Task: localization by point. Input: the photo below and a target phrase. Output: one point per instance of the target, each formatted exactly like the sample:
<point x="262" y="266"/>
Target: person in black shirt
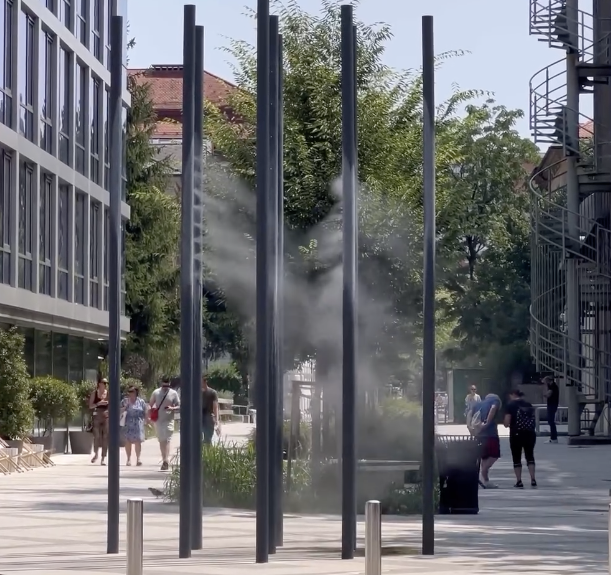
<point x="553" y="399"/>
<point x="520" y="418"/>
<point x="210" y="411"/>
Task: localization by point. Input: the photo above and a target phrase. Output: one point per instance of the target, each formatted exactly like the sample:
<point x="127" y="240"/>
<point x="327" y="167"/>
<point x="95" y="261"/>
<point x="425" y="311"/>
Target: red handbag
<point x="154" y="415"/>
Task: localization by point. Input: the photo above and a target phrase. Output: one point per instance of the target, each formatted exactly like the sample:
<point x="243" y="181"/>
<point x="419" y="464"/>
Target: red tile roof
<point x="165" y="82"/>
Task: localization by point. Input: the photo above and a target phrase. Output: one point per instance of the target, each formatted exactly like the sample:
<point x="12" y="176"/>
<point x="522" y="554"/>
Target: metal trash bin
<point x="458" y="461"/>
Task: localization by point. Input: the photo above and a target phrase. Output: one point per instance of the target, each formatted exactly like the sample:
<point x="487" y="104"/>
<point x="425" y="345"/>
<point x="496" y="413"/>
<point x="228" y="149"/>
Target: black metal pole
<point x="186" y="283"/>
<point x="198" y="214"/>
<point x="280" y="307"/>
<point x="273" y="264"/>
<point x="264" y="287"/>
<point x="428" y="347"/>
<point x="114" y="280"/>
<point x="349" y="287"/>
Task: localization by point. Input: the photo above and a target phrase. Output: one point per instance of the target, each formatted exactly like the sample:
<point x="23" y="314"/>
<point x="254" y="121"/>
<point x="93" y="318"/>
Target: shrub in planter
<point x="16" y="411"/>
<point x="83" y="391"/>
<point x="53" y="400"/>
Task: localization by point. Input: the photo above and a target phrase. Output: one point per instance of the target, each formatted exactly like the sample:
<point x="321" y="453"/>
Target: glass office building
<point x="54" y="178"/>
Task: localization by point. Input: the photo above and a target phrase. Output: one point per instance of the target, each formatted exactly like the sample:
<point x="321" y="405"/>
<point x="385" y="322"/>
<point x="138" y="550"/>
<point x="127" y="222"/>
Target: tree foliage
<point x="480" y="194"/>
<point x="151" y="242"/>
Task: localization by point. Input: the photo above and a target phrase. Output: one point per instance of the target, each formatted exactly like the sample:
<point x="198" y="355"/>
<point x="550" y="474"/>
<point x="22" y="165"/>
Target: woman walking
<point x="520" y="419"/>
<point x="98" y="403"/>
<point x="134" y="412"/>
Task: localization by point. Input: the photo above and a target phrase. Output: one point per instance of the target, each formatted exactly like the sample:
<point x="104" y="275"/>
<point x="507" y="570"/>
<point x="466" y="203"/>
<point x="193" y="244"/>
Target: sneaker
<point x="94" y="459"/>
<point x="164" y="466"/>
<point x="128" y="463"/>
<point x="103" y="462"/>
<point x="533" y="484"/>
<point x="519" y="485"/>
<point x="491" y="485"/>
<point x="139" y="463"/>
<point x="553" y="441"/>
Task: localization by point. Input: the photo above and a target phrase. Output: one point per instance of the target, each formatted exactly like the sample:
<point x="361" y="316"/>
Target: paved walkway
<point x="53" y="522"/>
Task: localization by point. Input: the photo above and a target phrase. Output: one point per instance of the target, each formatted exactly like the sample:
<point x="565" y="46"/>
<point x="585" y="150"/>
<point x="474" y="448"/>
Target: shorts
<point x="491" y="447"/>
<point x="164" y="430"/>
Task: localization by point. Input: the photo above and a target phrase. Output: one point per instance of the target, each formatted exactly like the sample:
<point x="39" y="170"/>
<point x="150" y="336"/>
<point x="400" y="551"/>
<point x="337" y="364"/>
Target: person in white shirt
<point x="165" y="402"/>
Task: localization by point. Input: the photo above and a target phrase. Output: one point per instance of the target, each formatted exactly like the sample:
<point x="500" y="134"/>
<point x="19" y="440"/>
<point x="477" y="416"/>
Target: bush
<point x="392" y="430"/>
<point x="83" y="390"/>
<point x="16" y="413"/>
<point x="52" y="400"/>
<point x="230" y="478"/>
<point x="224" y="377"/>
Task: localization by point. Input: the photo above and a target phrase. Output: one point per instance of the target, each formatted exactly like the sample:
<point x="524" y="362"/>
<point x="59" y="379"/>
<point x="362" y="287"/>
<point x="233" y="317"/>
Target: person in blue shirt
<point x="488" y="434"/>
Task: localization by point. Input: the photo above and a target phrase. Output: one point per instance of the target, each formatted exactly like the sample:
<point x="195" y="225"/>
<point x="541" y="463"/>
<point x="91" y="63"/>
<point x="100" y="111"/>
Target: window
<point x="79" y="248"/>
<point x="5" y="216"/>
<point x="50" y="4"/>
<point x="94" y="255"/>
<point x="26" y="209"/>
<point x="96" y="19"/>
<point x="107" y="31"/>
<point x="26" y="75"/>
<point x="81" y="21"/>
<point x="6" y="63"/>
<point x="106" y="142"/>
<point x="63" y="237"/>
<point x="44" y="239"/>
<point x="45" y="89"/>
<point x="65" y="13"/>
<point x="95" y="102"/>
<point x="64" y="105"/>
<point x="106" y="236"/>
<point x="80" y="103"/>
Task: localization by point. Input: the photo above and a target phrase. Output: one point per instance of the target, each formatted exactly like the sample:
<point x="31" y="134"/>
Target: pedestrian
<point x="210" y="411"/>
<point x="484" y="427"/>
<point x="552" y="393"/>
<point x="163" y="405"/>
<point x="98" y="403"/>
<point x="520" y="419"/>
<point x="134" y="411"/>
<point x="472" y="399"/>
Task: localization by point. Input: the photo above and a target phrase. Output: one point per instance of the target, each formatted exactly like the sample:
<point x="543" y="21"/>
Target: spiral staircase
<point x="570" y="215"/>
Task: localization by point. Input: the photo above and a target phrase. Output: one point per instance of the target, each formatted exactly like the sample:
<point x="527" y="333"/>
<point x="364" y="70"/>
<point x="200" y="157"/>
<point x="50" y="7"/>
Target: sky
<point x="502" y="56"/>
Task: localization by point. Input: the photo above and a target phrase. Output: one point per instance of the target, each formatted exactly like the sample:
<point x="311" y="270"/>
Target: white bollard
<point x="373" y="538"/>
<point x="135" y="536"/>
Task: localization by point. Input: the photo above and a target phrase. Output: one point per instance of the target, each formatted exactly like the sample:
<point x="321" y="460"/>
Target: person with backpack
<point x="520" y="419"/>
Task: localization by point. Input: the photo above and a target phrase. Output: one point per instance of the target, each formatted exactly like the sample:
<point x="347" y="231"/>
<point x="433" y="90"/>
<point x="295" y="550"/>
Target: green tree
<point x="390" y="158"/>
<point x="151" y="242"/>
<point x="16" y="412"/>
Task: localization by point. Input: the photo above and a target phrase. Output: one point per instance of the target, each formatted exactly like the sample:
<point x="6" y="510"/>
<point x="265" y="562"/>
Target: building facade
<point x="54" y="179"/>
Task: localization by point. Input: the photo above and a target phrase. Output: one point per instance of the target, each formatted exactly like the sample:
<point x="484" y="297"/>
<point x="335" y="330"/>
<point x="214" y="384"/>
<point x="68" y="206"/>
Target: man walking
<point x="552" y="393"/>
<point x="210" y="411"/>
<point x="164" y="404"/>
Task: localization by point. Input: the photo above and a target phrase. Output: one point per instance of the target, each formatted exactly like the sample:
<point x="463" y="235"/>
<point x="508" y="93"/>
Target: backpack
<point x="525" y="418"/>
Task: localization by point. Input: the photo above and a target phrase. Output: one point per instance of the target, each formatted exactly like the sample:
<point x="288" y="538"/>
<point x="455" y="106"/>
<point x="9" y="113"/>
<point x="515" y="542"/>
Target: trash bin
<point x="458" y="459"/>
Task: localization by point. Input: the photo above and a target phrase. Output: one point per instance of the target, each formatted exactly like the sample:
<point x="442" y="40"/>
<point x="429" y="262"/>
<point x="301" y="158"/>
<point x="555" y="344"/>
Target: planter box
<point x="57" y="442"/>
<point x="81" y="442"/>
<point x="15" y="444"/>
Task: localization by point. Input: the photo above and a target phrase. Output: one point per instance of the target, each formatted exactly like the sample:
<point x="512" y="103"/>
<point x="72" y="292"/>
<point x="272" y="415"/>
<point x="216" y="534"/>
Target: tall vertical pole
<point x="114" y="280"/>
<point x="264" y="291"/>
<point x="273" y="264"/>
<point x="428" y="347"/>
<point x="186" y="283"/>
<point x="280" y="307"/>
<point x="573" y="375"/>
<point x="198" y="205"/>
<point x="349" y="287"/>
